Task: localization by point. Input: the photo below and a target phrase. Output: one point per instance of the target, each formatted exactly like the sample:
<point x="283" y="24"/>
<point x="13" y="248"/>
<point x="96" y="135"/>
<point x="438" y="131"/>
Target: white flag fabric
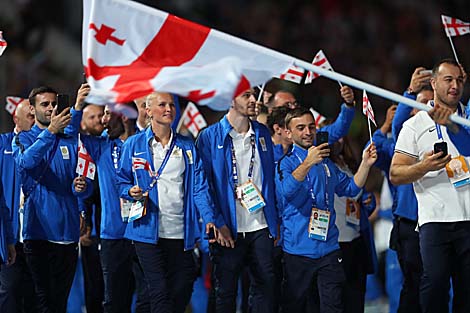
<point x="85" y="164"/>
<point x="3" y="43"/>
<point x="317" y="117"/>
<point x="293" y="74"/>
<point x="141" y="164"/>
<point x="321" y="61"/>
<point x="130" y="50"/>
<point x="12" y="103"/>
<point x="367" y="108"/>
<point x="455" y="27"/>
<point x="193" y="119"/>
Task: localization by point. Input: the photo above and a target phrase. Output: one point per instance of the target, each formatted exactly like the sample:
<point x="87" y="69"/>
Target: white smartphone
<point x="426" y="72"/>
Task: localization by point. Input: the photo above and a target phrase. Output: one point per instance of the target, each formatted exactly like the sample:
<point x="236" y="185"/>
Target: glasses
<point x="291" y="105"/>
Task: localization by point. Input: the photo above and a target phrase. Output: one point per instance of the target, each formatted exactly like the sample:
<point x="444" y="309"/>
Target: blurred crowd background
<point x="380" y="42"/>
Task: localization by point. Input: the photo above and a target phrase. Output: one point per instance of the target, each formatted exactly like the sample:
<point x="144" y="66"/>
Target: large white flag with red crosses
<point x="130" y="50"/>
<point x="193" y="119"/>
<point x="85" y="164"/>
<point x="455" y="27"/>
<point x="367" y="108"/>
<point x="12" y="103"/>
<point x="321" y="61"/>
<point x="3" y="43"/>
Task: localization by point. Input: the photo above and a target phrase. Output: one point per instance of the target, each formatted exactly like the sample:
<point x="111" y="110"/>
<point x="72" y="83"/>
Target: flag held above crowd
<point x="165" y="53"/>
<point x="455" y="27"/>
<point x="192" y="119"/>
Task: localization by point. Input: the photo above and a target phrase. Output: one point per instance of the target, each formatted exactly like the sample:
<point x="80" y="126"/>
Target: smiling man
<point x="443" y="201"/>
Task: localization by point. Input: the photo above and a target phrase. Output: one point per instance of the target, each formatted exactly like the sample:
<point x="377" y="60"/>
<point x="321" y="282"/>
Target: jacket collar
<point x="298" y="150"/>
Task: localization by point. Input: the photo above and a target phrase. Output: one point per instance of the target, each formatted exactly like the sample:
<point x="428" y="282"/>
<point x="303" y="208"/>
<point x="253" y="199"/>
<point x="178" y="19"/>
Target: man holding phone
<point x="307" y="180"/>
<point x="443" y="207"/>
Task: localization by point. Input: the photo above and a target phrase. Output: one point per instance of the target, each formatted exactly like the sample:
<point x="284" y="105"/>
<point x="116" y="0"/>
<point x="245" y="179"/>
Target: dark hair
<point x="426" y="87"/>
<point x="39" y="90"/>
<point x="298" y="112"/>
<point x="435" y="69"/>
<point x="277" y="116"/>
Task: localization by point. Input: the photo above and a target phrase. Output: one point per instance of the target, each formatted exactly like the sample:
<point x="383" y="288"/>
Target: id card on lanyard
<point x="457" y="168"/>
<point x="139" y="208"/>
<point x="319" y="219"/>
<point x="248" y="194"/>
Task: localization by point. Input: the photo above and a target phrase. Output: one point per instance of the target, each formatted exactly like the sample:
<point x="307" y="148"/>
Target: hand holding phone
<point x="321" y="137"/>
<point x="62" y="102"/>
<point x="211" y="234"/>
<point x="441" y="147"/>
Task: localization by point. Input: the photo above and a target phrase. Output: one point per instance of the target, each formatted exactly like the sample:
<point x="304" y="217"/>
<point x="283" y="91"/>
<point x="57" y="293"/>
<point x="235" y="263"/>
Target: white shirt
<point x="170" y="190"/>
<point x="438" y="199"/>
<point x="247" y="222"/>
<point x="347" y="231"/>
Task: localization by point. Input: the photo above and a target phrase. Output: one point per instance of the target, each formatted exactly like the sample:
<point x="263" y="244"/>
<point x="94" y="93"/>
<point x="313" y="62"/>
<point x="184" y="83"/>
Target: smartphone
<point x="426" y="72"/>
<point x="441" y="146"/>
<point x="322" y="137"/>
<point x="210" y="235"/>
<point x="62" y="102"/>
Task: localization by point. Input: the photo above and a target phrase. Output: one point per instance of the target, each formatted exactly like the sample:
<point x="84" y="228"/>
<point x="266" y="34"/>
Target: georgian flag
<point x="85" y="164"/>
<point x="12" y="103"/>
<point x="367" y="108"/>
<point x="3" y="43"/>
<point x="317" y="117"/>
<point x="141" y="164"/>
<point x="321" y="61"/>
<point x="293" y="74"/>
<point x="130" y="50"/>
<point x="193" y="119"/>
<point x="455" y="27"/>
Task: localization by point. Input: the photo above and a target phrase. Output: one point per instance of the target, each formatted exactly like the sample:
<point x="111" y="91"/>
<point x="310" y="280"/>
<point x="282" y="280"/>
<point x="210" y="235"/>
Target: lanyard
<point x="327" y="174"/>
<point x="234" y="162"/>
<point x="438" y="126"/>
<point x="162" y="166"/>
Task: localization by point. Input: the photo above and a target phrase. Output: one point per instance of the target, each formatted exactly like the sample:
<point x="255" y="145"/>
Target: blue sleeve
<point x="124" y="175"/>
<point x="5" y="216"/>
<point x="401" y="115"/>
<point x="203" y="145"/>
<point x="202" y="198"/>
<point x="461" y="140"/>
<point x="290" y="189"/>
<point x="345" y="187"/>
<point x="340" y="127"/>
<point x="93" y="144"/>
<point x="74" y="126"/>
<point x="29" y="155"/>
<point x="384" y="145"/>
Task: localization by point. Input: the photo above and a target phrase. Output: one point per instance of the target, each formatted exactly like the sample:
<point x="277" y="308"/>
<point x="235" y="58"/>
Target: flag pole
<point x="453" y="48"/>
<point x="261" y="90"/>
<point x="334" y="75"/>
<point x="370" y="131"/>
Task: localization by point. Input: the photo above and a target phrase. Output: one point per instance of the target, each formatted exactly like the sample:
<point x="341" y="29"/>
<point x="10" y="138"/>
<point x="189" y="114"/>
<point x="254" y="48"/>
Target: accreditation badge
<point x="125" y="209"/>
<point x="353" y="212"/>
<point x="319" y="223"/>
<point x="138" y="209"/>
<point x="250" y="197"/>
<point x="457" y="171"/>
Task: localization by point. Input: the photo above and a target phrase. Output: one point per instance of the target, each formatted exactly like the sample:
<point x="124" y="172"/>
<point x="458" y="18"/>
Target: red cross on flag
<point x="293" y="74"/>
<point x="193" y="119"/>
<point x="141" y="164"/>
<point x="12" y="103"/>
<point x="3" y="43"/>
<point x="367" y="108"/>
<point x="317" y="117"/>
<point x="321" y="61"/>
<point x="455" y="27"/>
<point x="85" y="164"/>
<point x="130" y="50"/>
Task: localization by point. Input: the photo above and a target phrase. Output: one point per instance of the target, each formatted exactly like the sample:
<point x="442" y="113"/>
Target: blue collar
<point x="301" y="152"/>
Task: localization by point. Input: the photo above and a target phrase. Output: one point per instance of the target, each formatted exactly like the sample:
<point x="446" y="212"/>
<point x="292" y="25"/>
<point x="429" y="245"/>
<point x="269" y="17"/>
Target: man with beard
<point x="46" y="159"/>
<point x="117" y="253"/>
<point x="443" y="201"/>
<point x="238" y="158"/>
